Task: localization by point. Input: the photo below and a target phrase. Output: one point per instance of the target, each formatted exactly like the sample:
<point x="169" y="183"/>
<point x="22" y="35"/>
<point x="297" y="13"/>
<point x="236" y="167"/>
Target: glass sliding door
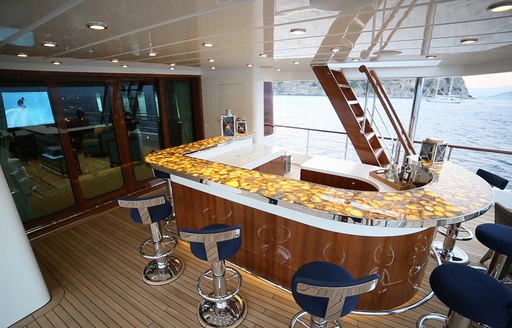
<point x="31" y="152"/>
<point x="89" y="123"/>
<point x="142" y="117"/>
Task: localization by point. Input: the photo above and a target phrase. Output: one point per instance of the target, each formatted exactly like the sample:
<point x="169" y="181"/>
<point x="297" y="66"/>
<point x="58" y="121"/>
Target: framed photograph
<point x="241" y="126"/>
<point x="227" y="124"/>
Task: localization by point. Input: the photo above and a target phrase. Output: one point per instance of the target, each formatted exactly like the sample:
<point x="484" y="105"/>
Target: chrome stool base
<point x="231" y="316"/>
<point x="154" y="275"/>
<point x="302" y="319"/>
<point x="456" y="255"/>
<point x="453" y="320"/>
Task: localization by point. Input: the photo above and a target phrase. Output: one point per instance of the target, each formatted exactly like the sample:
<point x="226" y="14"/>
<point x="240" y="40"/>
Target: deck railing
<point x="341" y="138"/>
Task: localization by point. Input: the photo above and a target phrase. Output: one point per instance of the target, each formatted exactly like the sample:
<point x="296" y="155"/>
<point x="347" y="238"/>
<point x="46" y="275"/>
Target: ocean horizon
<point x="482" y="123"/>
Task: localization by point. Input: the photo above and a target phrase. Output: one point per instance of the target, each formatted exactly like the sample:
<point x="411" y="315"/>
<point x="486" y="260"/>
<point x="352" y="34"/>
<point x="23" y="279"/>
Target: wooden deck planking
<point x="93" y="270"/>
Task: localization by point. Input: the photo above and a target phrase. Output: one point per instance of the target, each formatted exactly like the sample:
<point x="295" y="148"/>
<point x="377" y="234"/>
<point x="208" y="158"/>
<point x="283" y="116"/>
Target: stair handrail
<point x="390" y="110"/>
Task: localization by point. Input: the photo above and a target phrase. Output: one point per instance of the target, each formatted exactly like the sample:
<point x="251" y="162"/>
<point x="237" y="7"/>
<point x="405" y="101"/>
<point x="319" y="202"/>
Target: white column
<point x="22" y="287"/>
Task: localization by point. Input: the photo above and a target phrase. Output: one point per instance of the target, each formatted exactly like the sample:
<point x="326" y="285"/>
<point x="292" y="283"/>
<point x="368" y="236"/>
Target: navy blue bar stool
<point x="326" y="292"/>
<point x="171" y="220"/>
<point x="220" y="306"/>
<point x="502" y="215"/>
<point x="471" y="295"/>
<point x="497" y="237"/>
<point x="163" y="267"/>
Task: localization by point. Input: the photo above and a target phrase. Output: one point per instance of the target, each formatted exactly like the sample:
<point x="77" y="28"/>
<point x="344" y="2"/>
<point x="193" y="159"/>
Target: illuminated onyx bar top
<point x="454" y="194"/>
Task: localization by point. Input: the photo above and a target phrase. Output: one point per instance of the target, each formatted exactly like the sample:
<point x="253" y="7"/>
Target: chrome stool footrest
<point x="301" y="320"/>
<point x="162" y="272"/>
<point x="219" y="298"/>
<point x="469" y="235"/>
<point x="168" y="243"/>
<point x="455" y="255"/>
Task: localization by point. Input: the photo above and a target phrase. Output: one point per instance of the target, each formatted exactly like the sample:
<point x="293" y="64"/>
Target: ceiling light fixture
<point x="263" y="55"/>
<point x="297" y="30"/>
<point x="249" y="65"/>
<point x="124" y="66"/>
<point x="469" y="40"/>
<point x="387" y="52"/>
<point x="208" y="44"/>
<point x="355" y="59"/>
<point x="22" y="55"/>
<point x="278" y="69"/>
<point x="172" y="64"/>
<point x="49" y="44"/>
<point x="430" y="56"/>
<point x="115" y="60"/>
<point x="56" y="62"/>
<point x="152" y="54"/>
<point x="211" y="60"/>
<point x="335" y="50"/>
<point x="212" y="68"/>
<point x="172" y="68"/>
<point x="98" y="26"/>
<point x="499" y="7"/>
<point x="296" y="62"/>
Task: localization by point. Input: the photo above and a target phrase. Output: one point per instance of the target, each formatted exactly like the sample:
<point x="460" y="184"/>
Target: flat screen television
<point x="27" y="108"/>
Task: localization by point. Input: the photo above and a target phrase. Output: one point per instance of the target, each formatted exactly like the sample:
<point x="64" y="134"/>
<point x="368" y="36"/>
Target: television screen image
<point x="27" y="108"/>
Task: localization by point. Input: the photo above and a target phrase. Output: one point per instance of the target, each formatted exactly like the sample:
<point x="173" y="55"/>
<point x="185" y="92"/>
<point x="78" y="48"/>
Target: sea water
<point x="483" y="123"/>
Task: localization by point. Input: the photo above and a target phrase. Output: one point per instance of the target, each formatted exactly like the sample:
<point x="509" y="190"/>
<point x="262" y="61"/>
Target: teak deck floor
<point x="93" y="271"/>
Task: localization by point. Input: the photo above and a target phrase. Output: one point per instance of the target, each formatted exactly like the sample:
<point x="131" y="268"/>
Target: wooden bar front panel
<point x="274" y="247"/>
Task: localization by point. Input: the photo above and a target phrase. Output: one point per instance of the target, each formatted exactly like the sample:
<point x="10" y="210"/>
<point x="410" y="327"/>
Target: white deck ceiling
<point x="243" y="29"/>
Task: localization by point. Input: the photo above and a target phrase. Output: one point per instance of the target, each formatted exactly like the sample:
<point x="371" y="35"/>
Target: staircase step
<point x="370" y="135"/>
<point x="344" y="86"/>
<point x="352" y="102"/>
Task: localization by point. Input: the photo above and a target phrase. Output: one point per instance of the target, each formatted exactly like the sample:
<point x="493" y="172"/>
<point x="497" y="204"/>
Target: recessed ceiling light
<point x="211" y="60"/>
<point x="49" y="44"/>
<point x="22" y="54"/>
<point x="298" y="31"/>
<point x="468" y="40"/>
<point x="152" y="54"/>
<point x="124" y="66"/>
<point x="172" y="64"/>
<point x="212" y="68"/>
<point x="263" y="55"/>
<point x="431" y="57"/>
<point x="355" y="59"/>
<point x="499" y="7"/>
<point x="249" y="65"/>
<point x="56" y="62"/>
<point x="172" y="68"/>
<point x="115" y="60"/>
<point x="208" y="44"/>
<point x="296" y="62"/>
<point x="278" y="69"/>
<point x="387" y="52"/>
<point x="98" y="26"/>
<point x="335" y="50"/>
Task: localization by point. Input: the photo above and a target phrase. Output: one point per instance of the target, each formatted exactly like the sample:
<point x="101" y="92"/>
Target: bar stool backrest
<point x="336" y="292"/>
<point x="144" y="210"/>
<point x="213" y="243"/>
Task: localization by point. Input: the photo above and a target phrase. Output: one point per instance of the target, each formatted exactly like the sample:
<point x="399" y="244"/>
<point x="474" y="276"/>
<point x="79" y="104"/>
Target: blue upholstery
<point x="473" y="294"/>
<point x="324" y="274"/>
<point x="493" y="179"/>
<point x="156" y="213"/>
<point x="226" y="248"/>
<point x="497" y="237"/>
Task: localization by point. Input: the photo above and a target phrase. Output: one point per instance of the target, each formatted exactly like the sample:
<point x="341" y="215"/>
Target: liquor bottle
<point x="407" y="172"/>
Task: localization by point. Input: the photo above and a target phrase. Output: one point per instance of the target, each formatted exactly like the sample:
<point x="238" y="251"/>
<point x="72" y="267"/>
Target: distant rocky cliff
<point x="396" y="88"/>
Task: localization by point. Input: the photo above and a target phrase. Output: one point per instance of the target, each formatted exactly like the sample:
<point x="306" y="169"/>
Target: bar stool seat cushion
<point x="497" y="237"/>
<point x="322" y="274"/>
<point x="226" y="248"/>
<point x="156" y="213"/>
<point x="473" y="294"/>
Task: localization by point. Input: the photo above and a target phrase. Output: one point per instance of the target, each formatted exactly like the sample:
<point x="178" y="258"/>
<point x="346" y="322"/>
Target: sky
<point x="488" y="85"/>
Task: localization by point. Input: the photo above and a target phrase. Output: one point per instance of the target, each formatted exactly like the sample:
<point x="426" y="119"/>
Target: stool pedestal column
<point x="447" y="250"/>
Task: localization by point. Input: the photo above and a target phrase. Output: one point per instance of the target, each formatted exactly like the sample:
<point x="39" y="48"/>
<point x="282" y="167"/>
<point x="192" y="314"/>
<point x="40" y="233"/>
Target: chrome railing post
<point x="307" y="143"/>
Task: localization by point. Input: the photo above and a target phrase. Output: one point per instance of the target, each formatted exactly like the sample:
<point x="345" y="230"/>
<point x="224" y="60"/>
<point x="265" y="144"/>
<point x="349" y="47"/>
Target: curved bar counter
<point x="287" y="222"/>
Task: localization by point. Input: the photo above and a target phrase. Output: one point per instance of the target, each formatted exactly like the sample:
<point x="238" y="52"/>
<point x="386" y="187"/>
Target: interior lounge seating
<point x="135" y="141"/>
<point x="96" y="143"/>
<point x="326" y="292"/>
